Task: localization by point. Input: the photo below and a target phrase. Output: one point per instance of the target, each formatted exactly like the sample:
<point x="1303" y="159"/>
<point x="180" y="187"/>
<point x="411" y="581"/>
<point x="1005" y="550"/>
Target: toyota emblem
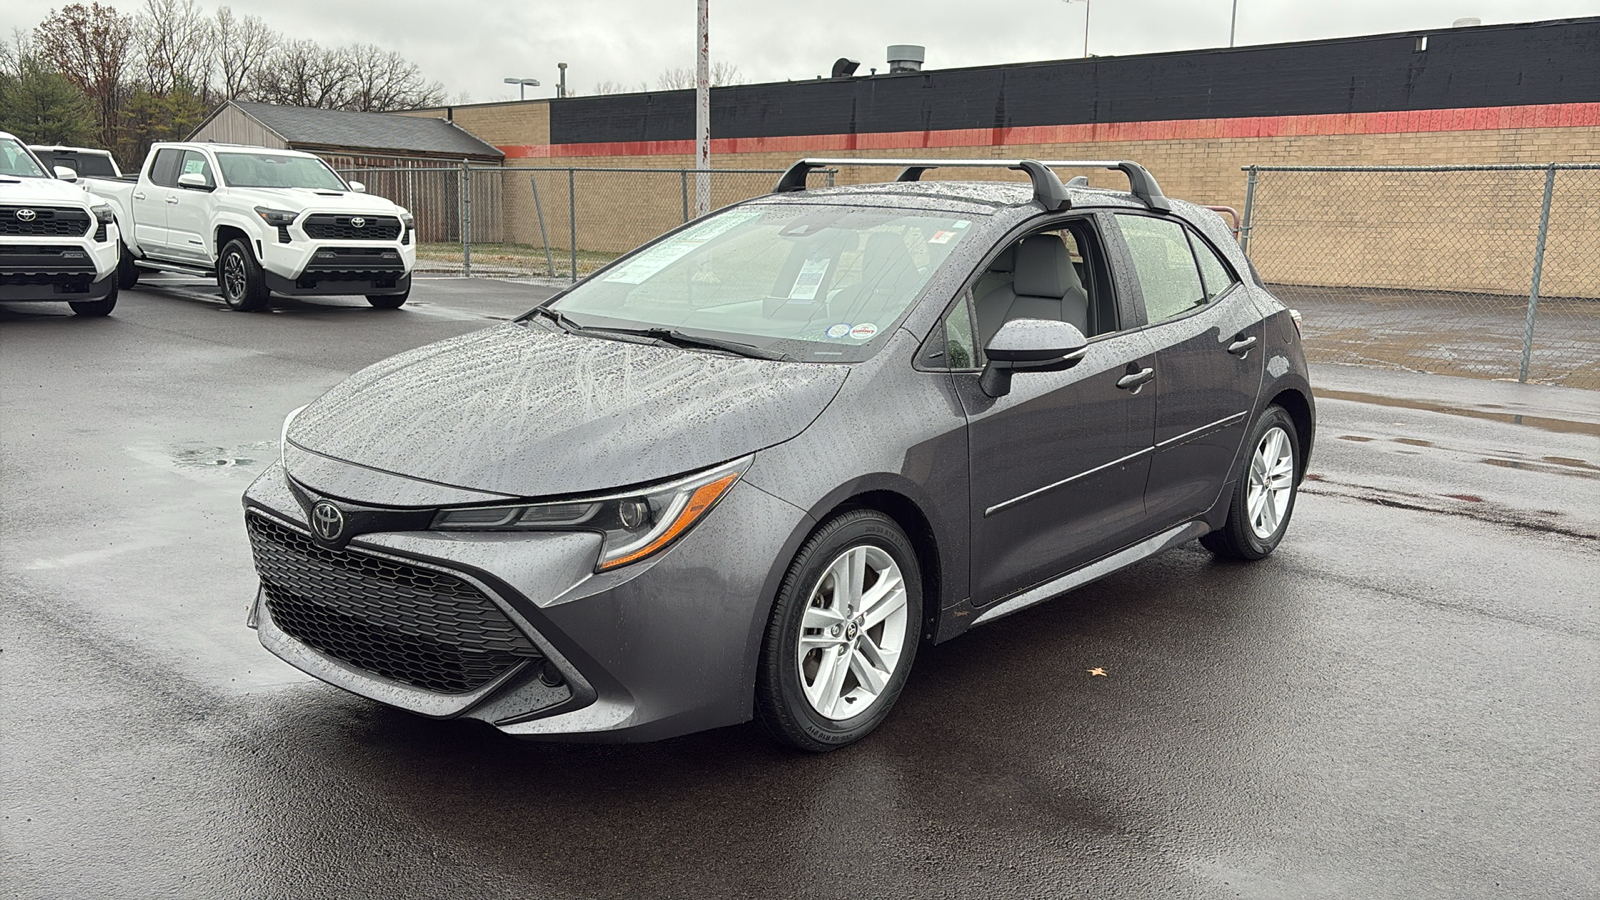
<point x="27" y="215"/>
<point x="327" y="520"/>
<point x="358" y="222"/>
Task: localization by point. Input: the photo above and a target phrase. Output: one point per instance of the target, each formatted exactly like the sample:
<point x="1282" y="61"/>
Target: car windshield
<point x="272" y="170"/>
<point x="813" y="282"/>
<point x="17" y="162"/>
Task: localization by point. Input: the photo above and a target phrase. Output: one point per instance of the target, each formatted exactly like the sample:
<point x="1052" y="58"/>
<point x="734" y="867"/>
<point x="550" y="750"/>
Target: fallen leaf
<point x="1098" y="671"/>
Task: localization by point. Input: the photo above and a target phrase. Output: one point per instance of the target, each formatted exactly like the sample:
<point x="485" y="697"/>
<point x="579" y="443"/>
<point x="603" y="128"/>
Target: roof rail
<point x="1047" y="188"/>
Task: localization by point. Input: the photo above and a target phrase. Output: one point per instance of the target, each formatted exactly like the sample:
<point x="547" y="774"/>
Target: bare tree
<point x="304" y="73"/>
<point x="614" y="87"/>
<point x="175" y="39"/>
<point x="680" y="78"/>
<point x="92" y="46"/>
<point x="242" y="44"/>
<point x="383" y="81"/>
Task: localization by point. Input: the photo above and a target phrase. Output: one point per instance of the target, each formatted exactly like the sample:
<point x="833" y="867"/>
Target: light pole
<point x="522" y="85"/>
<point x="1086" y="8"/>
<point x="1233" y="22"/>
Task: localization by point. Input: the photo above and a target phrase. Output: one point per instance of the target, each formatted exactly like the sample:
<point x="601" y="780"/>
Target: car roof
<point x="976" y="197"/>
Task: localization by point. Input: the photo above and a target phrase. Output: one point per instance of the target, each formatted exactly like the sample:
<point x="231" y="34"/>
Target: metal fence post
<point x="1249" y="206"/>
<point x="1538" y="271"/>
<point x="683" y="179"/>
<point x="572" y="219"/>
<point x="466" y="220"/>
<point x="544" y="238"/>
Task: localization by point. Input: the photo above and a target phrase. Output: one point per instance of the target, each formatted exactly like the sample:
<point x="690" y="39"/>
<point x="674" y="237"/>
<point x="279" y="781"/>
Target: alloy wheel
<point x="852" y="632"/>
<point x="1271" y="483"/>
<point x="233" y="276"/>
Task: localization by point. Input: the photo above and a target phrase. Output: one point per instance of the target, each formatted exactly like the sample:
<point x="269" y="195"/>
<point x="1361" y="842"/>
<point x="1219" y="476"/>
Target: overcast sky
<point x="471" y="45"/>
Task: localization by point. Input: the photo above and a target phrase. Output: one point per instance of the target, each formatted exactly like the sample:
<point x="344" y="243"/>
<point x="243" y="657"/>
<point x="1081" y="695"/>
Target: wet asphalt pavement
<point x="1401" y="702"/>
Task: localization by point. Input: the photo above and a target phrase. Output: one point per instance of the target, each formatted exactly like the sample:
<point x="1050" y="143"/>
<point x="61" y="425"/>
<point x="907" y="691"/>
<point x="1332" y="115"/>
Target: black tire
<point x="95" y="308"/>
<point x="239" y="277"/>
<point x="389" y="301"/>
<point x="127" y="270"/>
<point x="781" y="702"/>
<point x="1244" y="536"/>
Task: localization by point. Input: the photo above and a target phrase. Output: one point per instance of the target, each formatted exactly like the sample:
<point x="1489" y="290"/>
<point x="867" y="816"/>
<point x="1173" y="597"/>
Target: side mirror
<point x="194" y="181"/>
<point x="1038" y="345"/>
<point x="66" y="173"/>
<point x="358" y="187"/>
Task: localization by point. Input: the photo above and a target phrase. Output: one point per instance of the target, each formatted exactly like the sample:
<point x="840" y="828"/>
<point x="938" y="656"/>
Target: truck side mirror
<point x="194" y="181"/>
<point x="358" y="187"/>
<point x="1038" y="345"/>
<point x="66" y="173"/>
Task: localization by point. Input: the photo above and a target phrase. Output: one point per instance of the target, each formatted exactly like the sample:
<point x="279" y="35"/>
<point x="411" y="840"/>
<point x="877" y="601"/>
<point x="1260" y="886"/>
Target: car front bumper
<point x="664" y="647"/>
<point x="59" y="269"/>
<point x="305" y="267"/>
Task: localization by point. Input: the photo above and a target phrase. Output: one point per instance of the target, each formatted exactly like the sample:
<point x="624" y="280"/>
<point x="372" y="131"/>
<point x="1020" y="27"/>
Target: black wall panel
<point x="1515" y="65"/>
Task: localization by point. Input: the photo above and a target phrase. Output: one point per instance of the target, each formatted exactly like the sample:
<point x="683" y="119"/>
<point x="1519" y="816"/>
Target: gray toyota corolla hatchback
<point x="747" y="469"/>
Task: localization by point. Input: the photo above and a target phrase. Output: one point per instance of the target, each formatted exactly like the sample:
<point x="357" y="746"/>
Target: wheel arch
<point x="225" y="232"/>
<point x="1299" y="408"/>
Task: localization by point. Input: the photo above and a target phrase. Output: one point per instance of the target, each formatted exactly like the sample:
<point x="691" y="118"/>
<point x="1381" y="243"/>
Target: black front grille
<point x="406" y="623"/>
<point x="46" y="221"/>
<point x="343" y="228"/>
<point x="52" y="258"/>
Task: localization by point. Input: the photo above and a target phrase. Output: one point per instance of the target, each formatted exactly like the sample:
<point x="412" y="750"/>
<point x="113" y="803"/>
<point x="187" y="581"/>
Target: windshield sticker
<point x="648" y="263"/>
<point x="941" y="237"/>
<point x="864" y="331"/>
<point x="839" y="330"/>
<point x="809" y="280"/>
<point x="962" y="223"/>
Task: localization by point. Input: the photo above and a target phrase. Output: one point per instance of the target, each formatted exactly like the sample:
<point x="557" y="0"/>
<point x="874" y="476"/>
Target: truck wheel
<point x="389" y="301"/>
<point x="244" y="286"/>
<point x="91" y="308"/>
<point x="127" y="270"/>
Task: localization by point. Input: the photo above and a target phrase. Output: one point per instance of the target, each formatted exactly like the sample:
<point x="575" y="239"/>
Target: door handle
<point x="139" y="196"/>
<point x="1133" y="381"/>
<point x="172" y="200"/>
<point x="1241" y="347"/>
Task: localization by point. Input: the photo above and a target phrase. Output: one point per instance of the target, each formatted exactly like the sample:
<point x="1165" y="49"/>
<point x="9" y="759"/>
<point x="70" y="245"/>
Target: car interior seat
<point x="999" y="273"/>
<point x="1045" y="285"/>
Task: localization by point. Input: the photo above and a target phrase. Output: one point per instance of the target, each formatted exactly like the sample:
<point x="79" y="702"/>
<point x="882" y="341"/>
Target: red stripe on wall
<point x="1552" y="115"/>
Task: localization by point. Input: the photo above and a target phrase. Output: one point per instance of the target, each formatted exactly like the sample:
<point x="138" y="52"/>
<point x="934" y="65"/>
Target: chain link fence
<point x="1483" y="271"/>
<point x="548" y="222"/>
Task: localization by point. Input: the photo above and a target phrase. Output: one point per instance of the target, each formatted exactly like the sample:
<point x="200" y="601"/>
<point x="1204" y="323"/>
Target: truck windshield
<point x="271" y="170"/>
<point x="811" y="282"/>
<point x="16" y="161"/>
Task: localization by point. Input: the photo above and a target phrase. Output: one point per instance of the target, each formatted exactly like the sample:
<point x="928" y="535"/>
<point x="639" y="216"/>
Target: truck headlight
<point x="103" y="214"/>
<point x="277" y="218"/>
<point x="635" y="524"/>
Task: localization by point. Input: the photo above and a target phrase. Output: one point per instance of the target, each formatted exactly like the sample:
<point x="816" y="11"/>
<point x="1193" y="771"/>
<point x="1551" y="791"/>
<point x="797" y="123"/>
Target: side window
<point x="1215" y="273"/>
<point x="1055" y="273"/>
<point x="164" y="168"/>
<point x="1167" y="273"/>
<point x="960" y="348"/>
<point x="194" y="163"/>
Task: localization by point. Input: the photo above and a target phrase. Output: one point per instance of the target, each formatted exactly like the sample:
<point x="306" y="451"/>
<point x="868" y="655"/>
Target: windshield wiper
<point x="558" y="317"/>
<point x="680" y="339"/>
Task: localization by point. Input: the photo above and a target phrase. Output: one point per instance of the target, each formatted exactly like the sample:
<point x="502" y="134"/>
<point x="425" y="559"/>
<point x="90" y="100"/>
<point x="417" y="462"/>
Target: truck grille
<point x="405" y="623"/>
<point x="46" y="221"/>
<point x="343" y="228"/>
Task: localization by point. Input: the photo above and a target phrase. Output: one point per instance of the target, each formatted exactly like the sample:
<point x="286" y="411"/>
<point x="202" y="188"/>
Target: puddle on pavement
<point x="1569" y="471"/>
<point x="1571" y="462"/>
<point x="1545" y="424"/>
<point x="1414" y="442"/>
<point x="1355" y="437"/>
<point x="248" y="456"/>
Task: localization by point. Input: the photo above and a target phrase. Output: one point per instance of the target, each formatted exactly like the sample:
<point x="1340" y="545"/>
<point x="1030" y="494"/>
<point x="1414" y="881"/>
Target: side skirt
<point x="1146" y="548"/>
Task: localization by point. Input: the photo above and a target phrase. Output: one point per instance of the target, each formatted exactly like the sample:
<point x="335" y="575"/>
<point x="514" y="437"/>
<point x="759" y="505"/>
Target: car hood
<point x="297" y="199"/>
<point x="43" y="191"/>
<point x="526" y="412"/>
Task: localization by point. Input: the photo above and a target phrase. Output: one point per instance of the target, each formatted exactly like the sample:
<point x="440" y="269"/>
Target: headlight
<point x="103" y="213"/>
<point x="635" y="525"/>
<point x="283" y="434"/>
<point x="277" y="218"/>
<point x="407" y="219"/>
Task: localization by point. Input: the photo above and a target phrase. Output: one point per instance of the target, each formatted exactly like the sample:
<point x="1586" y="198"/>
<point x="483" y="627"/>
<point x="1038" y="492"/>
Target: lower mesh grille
<point x="409" y="624"/>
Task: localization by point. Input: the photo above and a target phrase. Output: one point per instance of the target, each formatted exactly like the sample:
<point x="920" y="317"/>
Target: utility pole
<point x="702" y="115"/>
<point x="1233" y="22"/>
<point x="1086" y="8"/>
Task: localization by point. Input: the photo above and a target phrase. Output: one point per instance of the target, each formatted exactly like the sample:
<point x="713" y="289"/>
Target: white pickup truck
<point x="56" y="242"/>
<point x="261" y="221"/>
